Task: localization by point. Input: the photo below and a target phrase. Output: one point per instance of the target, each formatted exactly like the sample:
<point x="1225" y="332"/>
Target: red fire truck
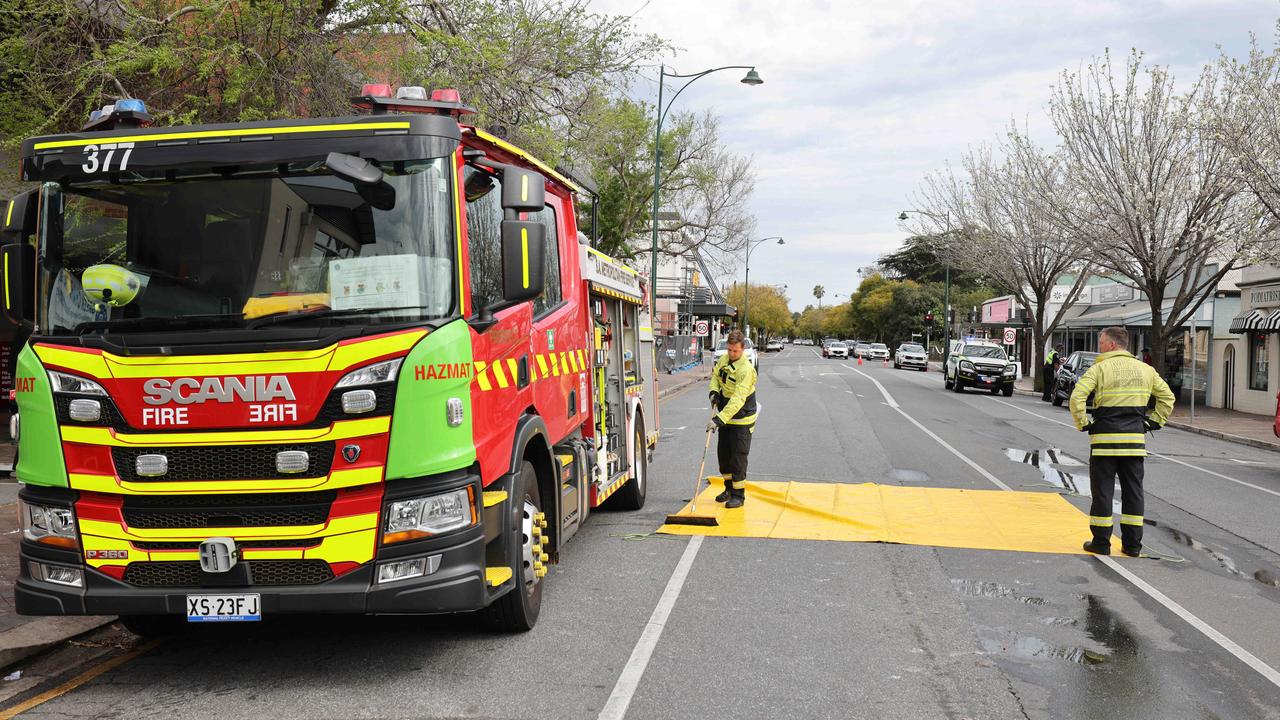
<point x="364" y="364"/>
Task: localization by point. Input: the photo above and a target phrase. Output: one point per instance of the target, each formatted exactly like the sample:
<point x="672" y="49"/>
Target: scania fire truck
<point x="364" y="364"/>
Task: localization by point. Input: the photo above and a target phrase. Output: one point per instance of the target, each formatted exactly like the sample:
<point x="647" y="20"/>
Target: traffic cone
<point x="859" y="359"/>
<point x="884" y="362"/>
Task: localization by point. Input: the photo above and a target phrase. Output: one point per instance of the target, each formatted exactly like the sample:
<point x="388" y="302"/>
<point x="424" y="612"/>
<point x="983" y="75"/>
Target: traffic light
<point x="928" y="318"/>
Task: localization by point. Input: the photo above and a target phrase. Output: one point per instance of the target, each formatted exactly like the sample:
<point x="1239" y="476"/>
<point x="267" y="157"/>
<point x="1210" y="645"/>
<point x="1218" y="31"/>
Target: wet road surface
<point x="762" y="628"/>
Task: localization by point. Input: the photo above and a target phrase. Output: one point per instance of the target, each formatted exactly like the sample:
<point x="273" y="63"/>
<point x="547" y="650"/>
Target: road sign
<point x="702" y="328"/>
<point x="1010" y="336"/>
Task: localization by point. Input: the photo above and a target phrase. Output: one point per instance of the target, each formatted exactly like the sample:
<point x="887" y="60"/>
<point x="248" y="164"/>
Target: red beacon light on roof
<point x="380" y="100"/>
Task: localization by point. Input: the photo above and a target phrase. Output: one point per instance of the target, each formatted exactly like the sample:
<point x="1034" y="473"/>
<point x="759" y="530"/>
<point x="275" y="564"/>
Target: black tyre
<point x="957" y="385"/>
<point x="946" y="380"/>
<point x="995" y="391"/>
<point x="517" y="611"/>
<point x="1008" y="392"/>
<point x="631" y="495"/>
<point x="149" y="626"/>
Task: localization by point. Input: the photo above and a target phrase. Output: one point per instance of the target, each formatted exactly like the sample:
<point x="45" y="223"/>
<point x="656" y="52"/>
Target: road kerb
<point x="40" y="634"/>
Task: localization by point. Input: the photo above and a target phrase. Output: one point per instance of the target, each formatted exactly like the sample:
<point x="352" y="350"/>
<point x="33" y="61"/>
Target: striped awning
<point x="1256" y="321"/>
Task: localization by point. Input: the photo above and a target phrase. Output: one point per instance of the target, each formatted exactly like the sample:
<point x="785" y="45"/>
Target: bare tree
<point x="1149" y="196"/>
<point x="1001" y="226"/>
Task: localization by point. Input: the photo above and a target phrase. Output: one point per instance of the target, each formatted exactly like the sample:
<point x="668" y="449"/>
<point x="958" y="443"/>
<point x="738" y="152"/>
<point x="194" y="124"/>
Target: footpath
<point x="22" y="637"/>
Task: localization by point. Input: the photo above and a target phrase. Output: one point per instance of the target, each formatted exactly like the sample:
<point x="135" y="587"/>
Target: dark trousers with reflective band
<point x="1103" y="470"/>
<point x="732" y="449"/>
<point x="1047" y="371"/>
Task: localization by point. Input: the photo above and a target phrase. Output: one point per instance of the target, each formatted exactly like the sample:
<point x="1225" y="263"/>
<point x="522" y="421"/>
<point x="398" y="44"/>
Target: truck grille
<point x="200" y="511"/>
<point x="233" y="462"/>
<point x="187" y="573"/>
<point x="241" y="544"/>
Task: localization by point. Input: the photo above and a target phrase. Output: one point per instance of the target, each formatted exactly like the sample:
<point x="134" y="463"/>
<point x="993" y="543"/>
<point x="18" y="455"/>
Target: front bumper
<point x="993" y="381"/>
<point x="912" y="362"/>
<point x="457" y="585"/>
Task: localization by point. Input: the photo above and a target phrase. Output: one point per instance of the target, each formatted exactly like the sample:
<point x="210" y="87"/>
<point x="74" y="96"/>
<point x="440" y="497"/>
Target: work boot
<point x="735" y="500"/>
<point x="728" y="492"/>
<point x="1132" y="551"/>
<point x="1098" y="548"/>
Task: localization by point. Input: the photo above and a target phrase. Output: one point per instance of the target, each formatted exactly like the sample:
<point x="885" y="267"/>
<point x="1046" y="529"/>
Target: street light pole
<point x="746" y="296"/>
<point x="751" y="78"/>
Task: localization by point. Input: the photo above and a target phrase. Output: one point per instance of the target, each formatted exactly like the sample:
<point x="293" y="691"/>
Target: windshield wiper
<point x="319" y="314"/>
<point x="151" y="323"/>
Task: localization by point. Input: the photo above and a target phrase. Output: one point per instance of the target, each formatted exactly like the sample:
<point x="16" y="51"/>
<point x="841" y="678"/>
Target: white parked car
<point x="910" y="355"/>
<point x="748" y="351"/>
<point x="773" y="346"/>
<point x="838" y="350"/>
<point x="877" y="351"/>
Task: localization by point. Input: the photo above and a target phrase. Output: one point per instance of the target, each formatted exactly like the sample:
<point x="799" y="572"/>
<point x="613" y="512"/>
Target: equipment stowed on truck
<point x="342" y="365"/>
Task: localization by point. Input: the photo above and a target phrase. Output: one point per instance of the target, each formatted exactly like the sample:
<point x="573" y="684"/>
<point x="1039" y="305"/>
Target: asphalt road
<point x="768" y="628"/>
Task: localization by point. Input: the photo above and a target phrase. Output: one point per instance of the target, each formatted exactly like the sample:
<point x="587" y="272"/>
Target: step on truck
<point x="364" y="364"/>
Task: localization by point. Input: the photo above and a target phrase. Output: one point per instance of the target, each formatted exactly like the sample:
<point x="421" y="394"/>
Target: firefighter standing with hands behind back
<point x="1110" y="403"/>
<point x="733" y="397"/>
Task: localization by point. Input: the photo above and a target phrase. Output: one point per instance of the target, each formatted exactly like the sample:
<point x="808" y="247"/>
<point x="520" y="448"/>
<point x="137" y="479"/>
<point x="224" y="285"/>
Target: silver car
<point x="910" y="355"/>
<point x="748" y="351"/>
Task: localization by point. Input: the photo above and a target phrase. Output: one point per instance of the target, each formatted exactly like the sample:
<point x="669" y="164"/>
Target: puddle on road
<point x="909" y="476"/>
<point x="1025" y="646"/>
<point x="1050" y="461"/>
<point x="978" y="588"/>
<point x="1224" y="561"/>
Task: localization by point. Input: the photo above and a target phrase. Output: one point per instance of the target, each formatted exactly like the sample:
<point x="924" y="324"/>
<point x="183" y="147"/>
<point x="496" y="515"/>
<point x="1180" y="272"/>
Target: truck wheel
<point x="517" y="611"/>
<point x="631" y="495"/>
<point x="946" y="380"/>
<point x="957" y="385"/>
<point x="1008" y="392"/>
<point x="149" y="626"/>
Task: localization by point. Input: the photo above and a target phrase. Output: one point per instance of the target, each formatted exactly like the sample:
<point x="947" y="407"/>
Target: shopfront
<point x="1253" y="363"/>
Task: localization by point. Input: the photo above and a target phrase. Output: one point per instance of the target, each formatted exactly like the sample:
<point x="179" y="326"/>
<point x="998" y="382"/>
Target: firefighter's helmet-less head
<point x="111" y="284"/>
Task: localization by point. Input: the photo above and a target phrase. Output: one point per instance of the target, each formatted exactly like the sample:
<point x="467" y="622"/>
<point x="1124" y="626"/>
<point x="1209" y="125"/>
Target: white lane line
<point x="888" y="399"/>
<point x="1207" y="471"/>
<point x="629" y="680"/>
<point x="1223" y="641"/>
<point x="1205" y="628"/>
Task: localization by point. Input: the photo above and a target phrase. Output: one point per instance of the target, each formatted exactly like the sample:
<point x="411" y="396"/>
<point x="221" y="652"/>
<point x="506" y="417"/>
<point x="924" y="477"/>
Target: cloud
<point x="862" y="99"/>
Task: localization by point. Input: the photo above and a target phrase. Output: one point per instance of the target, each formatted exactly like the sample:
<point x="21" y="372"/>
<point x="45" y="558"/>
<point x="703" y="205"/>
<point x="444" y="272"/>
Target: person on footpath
<point x="733" y="398"/>
<point x="1050" y="369"/>
<point x="1111" y="403"/>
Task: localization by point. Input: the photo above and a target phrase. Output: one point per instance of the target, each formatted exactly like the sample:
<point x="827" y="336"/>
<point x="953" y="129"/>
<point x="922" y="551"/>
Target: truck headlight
<point x="421" y="517"/>
<point x="66" y="383"/>
<point x="49" y="525"/>
<point x="56" y="574"/>
<point x="966" y="365"/>
<point x="1009" y="370"/>
<point x="385" y="371"/>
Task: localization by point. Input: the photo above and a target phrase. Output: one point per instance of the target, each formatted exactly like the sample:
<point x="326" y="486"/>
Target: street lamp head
<point x="752" y="78"/>
<point x="781" y="241"/>
<point x="902" y="215"/>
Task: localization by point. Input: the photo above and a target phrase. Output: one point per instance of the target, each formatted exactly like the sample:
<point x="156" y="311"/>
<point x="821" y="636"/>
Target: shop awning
<point x="1256" y="321"/>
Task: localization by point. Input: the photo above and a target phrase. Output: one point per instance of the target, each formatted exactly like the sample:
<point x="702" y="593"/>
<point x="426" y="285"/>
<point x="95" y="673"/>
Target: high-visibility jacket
<point x="1112" y="400"/>
<point x="734" y="383"/>
<point x="1051" y="359"/>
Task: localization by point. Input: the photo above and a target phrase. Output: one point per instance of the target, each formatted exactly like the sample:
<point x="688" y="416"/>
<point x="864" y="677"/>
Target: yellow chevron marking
<point x="336" y="479"/>
<point x="542" y="366"/>
<point x="340" y="430"/>
<point x="555" y="364"/>
<point x="498" y="375"/>
<point x="564" y="363"/>
<point x="481" y="378"/>
<point x="513" y="368"/>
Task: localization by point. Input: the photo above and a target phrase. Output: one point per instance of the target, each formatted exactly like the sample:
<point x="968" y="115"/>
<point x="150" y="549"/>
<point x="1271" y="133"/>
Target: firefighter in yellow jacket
<point x="733" y="397"/>
<point x="1111" y="403"/>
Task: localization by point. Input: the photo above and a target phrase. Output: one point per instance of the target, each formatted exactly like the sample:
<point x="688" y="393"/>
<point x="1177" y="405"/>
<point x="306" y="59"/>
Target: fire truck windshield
<point x="248" y="248"/>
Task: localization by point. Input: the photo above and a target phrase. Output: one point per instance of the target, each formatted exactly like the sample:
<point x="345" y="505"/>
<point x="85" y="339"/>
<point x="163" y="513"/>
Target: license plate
<point x="245" y="607"/>
<point x="987" y="379"/>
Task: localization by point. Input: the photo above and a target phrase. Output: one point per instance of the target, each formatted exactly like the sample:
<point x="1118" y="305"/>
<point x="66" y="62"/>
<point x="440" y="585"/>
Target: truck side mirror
<point x="523" y="190"/>
<point x="19" y="216"/>
<point x="524" y="250"/>
<point x="18" y="265"/>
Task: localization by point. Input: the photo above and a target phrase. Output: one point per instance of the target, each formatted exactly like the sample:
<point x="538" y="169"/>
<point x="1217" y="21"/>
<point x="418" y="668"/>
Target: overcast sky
<point x="862" y="98"/>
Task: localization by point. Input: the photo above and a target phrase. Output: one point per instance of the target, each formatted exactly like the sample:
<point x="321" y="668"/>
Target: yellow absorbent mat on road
<point x="945" y="517"/>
